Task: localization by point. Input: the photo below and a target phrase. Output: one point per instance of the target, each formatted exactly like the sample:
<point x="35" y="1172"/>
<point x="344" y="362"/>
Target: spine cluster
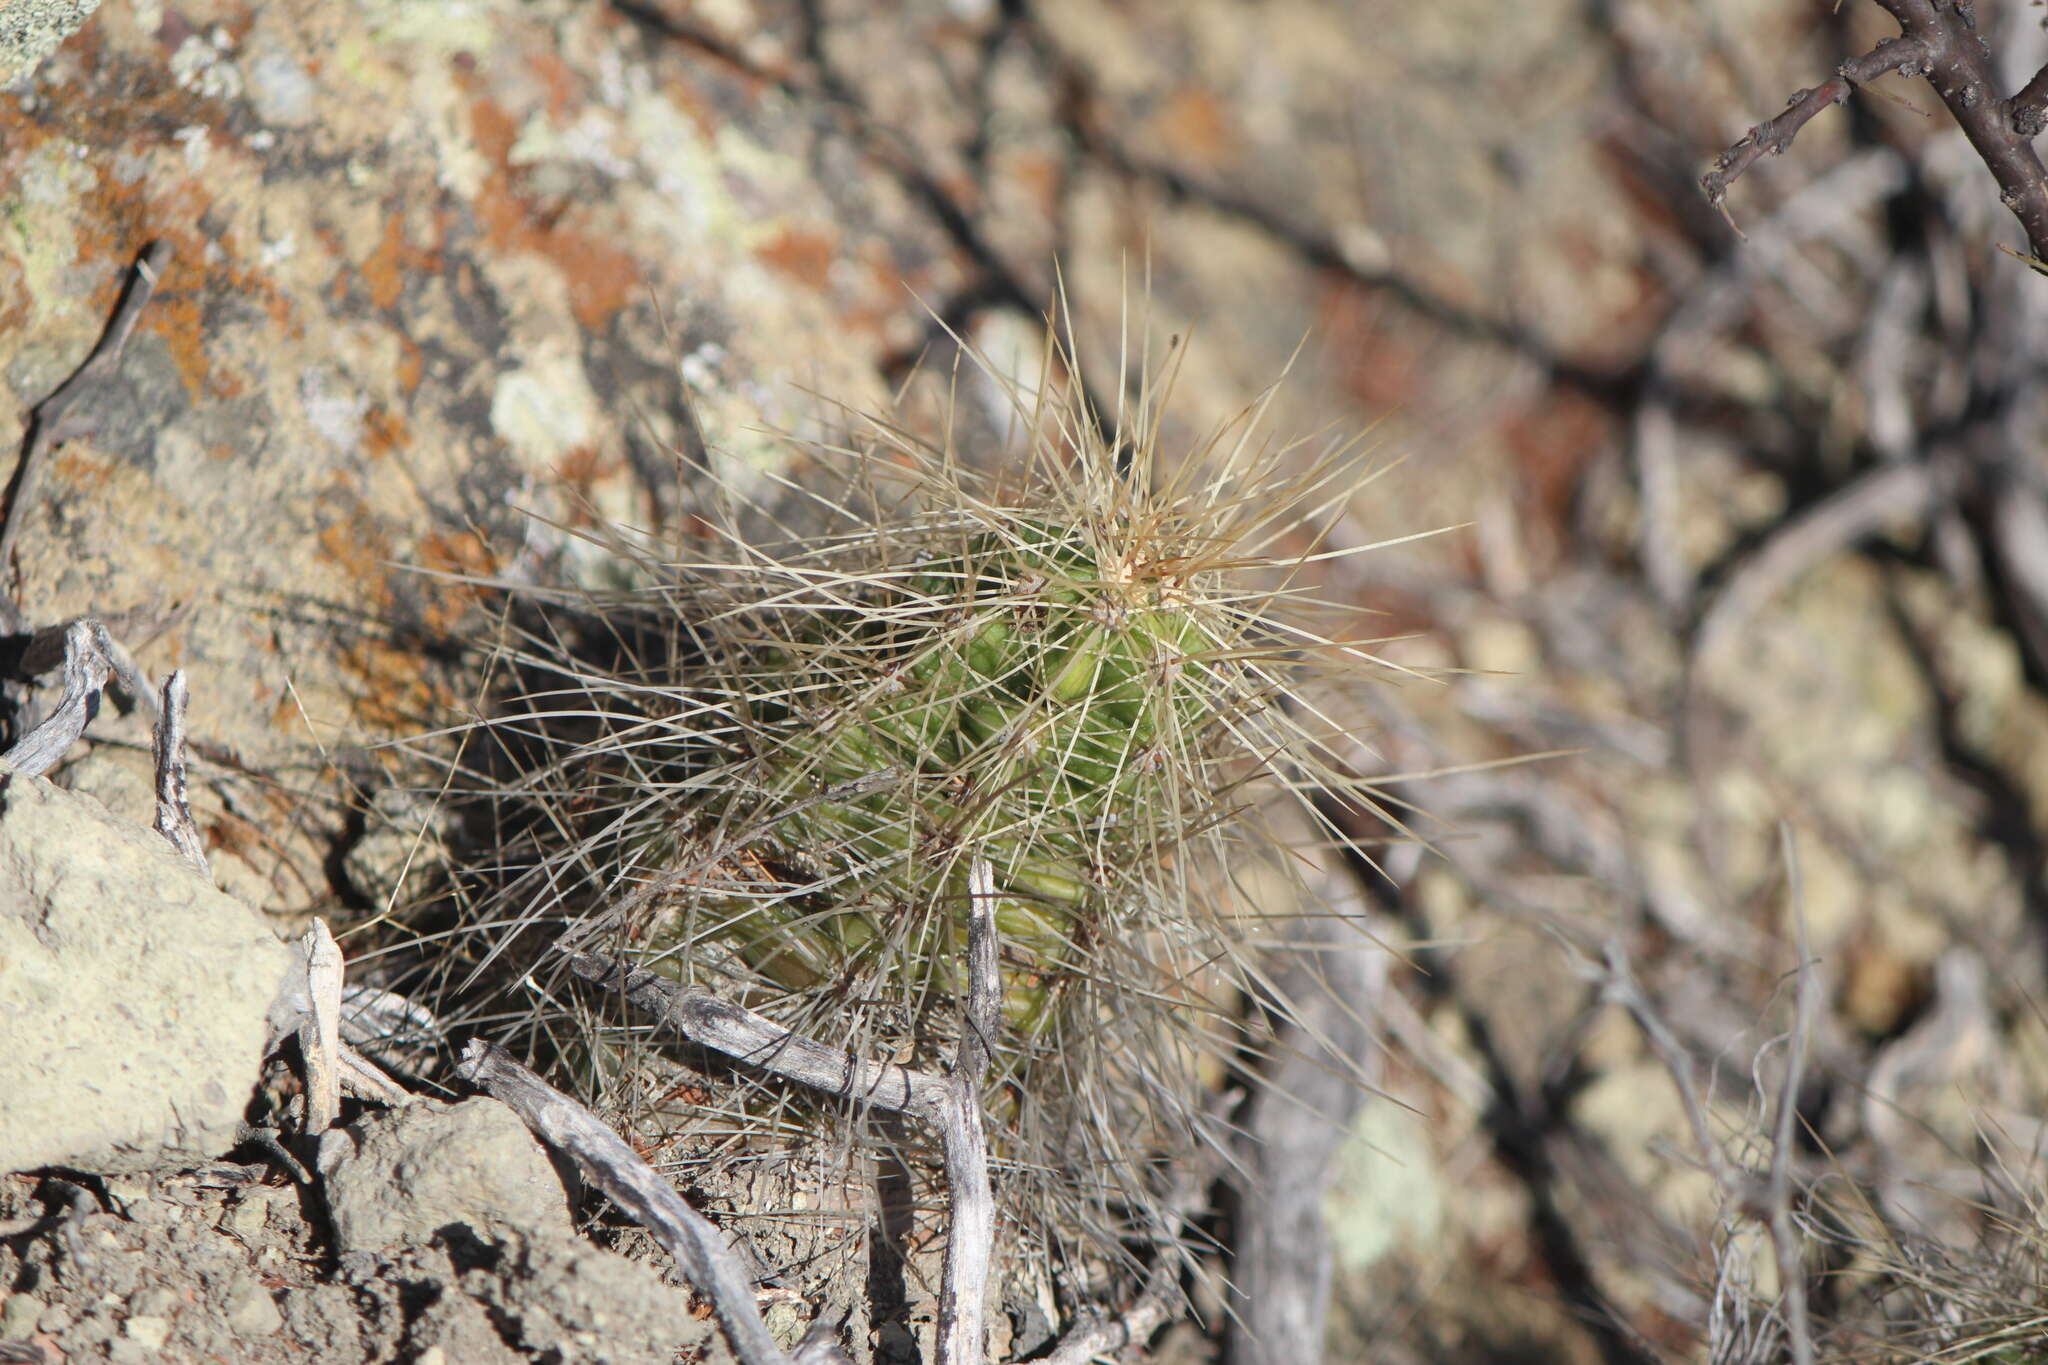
<point x="1073" y="664"/>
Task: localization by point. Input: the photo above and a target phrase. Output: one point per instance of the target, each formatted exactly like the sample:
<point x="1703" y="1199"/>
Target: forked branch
<point x="1937" y="39"/>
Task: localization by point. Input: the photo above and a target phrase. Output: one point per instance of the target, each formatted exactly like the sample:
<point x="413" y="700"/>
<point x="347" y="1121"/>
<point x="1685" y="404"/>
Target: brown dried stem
<point x="1938" y="40"/>
<point x="2027" y="111"/>
<point x="1960" y="69"/>
<point x="1774" y="135"/>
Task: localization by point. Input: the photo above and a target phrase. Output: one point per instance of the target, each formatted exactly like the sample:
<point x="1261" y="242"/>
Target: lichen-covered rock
<point x="135" y="993"/>
<point x="31" y="29"/>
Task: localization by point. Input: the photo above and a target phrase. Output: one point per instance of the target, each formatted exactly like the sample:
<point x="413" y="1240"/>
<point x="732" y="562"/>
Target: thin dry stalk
<point x="630" y="1182"/>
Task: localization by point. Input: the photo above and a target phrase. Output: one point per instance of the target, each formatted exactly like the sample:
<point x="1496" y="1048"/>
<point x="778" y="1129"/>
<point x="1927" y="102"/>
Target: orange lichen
<point x="463" y="556"/>
<point x="74" y="469"/>
<point x="384" y="270"/>
<point x="178" y="319"/>
<point x="360" y="551"/>
<point x="494" y="129"/>
<point x="1194" y="126"/>
<point x="558" y="81"/>
<point x="802" y="255"/>
<point x="457" y="552"/>
<point x="395" y="691"/>
<point x="411" y="364"/>
<point x="585" y="469"/>
<point x="601" y="276"/>
<point x="115" y="217"/>
<point x="383" y="432"/>
<point x="1038" y="175"/>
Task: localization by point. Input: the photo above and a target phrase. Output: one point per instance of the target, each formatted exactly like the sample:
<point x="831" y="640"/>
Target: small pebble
<point x="250" y="1310"/>
<point x="245" y="1217"/>
<point x="126" y="1352"/>
<point x="158" y="1301"/>
<point x="18" y="1316"/>
<point x="150" y="1331"/>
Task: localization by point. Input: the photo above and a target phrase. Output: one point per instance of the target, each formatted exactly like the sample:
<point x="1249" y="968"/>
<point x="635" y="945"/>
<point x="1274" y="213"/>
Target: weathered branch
<point x="86" y="667"/>
<point x="173" y="808"/>
<point x="757" y="1040"/>
<point x="1959" y="67"/>
<point x="970" y="1240"/>
<point x="630" y="1182"/>
<point x="2027" y="111"/>
<point x="320" y="1030"/>
<point x="1773" y="136"/>
<point x="1937" y="39"/>
<point x="951" y="1104"/>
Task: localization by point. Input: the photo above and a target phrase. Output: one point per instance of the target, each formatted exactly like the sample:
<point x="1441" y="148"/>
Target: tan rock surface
<point x="136" y="994"/>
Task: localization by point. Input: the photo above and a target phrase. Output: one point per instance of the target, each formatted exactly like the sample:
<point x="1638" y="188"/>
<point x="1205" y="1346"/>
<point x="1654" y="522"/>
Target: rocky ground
<point x="1744" y="534"/>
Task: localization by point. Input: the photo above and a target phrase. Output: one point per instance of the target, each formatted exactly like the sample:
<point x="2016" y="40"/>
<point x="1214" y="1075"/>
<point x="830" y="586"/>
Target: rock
<point x="30" y="31"/>
<point x="149" y="1332"/>
<point x="462" y="1196"/>
<point x="136" y="992"/>
<point x="18" y="1316"/>
<point x="563" y="1299"/>
<point x="401" y="1177"/>
<point x="251" y="1312"/>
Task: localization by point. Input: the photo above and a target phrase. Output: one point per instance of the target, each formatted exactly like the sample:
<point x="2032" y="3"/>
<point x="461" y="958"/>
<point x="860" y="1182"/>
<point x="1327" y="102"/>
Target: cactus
<point x="1071" y="666"/>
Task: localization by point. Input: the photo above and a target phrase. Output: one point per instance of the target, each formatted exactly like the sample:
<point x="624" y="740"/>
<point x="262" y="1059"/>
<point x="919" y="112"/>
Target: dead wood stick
<point x="631" y="1183"/>
<point x="757" y="1040"/>
<point x="951" y="1104"/>
<point x="45" y="422"/>
<point x="173" y="804"/>
<point x="365" y="1080"/>
<point x="320" y="1030"/>
<point x="1785" y="1241"/>
<point x="86" y="666"/>
<point x="1894" y="492"/>
<point x="1618" y="987"/>
<point x="970" y="1240"/>
<point x="1939" y="41"/>
<point x="1101" y="1336"/>
<point x="1774" y="135"/>
<point x="46" y="650"/>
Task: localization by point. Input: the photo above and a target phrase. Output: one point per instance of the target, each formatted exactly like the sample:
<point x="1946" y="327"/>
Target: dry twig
<point x="1774" y="135"/>
<point x="634" y="1186"/>
<point x="86" y="666"/>
<point x="1894" y="493"/>
<point x="173" y="808"/>
<point x="970" y="1240"/>
<point x="1778" y="1193"/>
<point x="951" y="1104"/>
<point x="1938" y="39"/>
<point x="320" y="1030"/>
